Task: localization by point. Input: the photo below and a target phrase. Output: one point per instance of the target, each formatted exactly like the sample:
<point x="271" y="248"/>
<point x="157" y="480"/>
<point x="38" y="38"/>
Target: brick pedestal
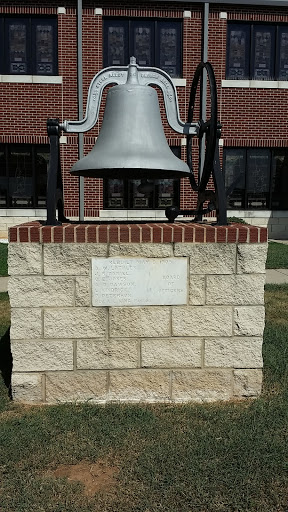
<point x="64" y="349"/>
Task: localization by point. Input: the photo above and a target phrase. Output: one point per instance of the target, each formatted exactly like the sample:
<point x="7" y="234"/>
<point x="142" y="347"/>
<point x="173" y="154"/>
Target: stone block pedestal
<point x="206" y="349"/>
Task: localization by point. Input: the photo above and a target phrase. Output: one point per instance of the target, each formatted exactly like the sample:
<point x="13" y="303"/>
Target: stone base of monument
<point x="136" y="313"/>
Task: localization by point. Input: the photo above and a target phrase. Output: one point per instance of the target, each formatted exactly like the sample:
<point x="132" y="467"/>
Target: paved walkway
<point x="277" y="276"/>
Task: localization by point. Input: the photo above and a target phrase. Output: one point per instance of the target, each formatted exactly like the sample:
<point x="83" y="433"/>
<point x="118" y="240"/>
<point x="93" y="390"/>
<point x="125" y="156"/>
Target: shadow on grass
<point x="6" y="361"/>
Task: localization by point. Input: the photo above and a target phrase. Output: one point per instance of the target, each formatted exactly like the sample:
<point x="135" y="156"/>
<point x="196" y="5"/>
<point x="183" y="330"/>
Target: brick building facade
<point x="247" y="46"/>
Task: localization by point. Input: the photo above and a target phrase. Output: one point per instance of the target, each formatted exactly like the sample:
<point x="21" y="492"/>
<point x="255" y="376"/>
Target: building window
<point x="23" y="175"/>
<point x="28" y="46"/>
<point x="256" y="178"/>
<point x="153" y="43"/>
<point x="142" y="194"/>
<point x="258" y="52"/>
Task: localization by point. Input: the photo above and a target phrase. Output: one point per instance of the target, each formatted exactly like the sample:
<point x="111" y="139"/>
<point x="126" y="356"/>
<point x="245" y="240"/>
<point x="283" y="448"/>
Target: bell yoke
<point x="132" y="144"/>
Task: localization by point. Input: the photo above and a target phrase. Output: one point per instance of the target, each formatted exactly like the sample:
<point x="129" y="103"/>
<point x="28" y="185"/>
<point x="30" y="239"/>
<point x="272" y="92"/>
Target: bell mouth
<point x="122" y="173"/>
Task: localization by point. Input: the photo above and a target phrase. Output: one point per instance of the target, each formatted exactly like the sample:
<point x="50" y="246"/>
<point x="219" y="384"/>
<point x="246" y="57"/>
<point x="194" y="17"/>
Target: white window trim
<point x="31" y="79"/>
<point x="256" y="84"/>
<point x="179" y="82"/>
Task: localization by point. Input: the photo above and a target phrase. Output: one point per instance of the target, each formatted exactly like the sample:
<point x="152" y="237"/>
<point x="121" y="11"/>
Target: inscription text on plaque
<point x="139" y="281"/>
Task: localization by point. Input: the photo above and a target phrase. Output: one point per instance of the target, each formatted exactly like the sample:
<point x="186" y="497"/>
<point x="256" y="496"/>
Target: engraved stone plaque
<point x="139" y="281"/>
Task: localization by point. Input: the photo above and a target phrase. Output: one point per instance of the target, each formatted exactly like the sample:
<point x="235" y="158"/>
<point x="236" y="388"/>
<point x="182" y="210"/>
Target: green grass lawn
<point x="3" y="259"/>
<point x="223" y="457"/>
<point x="277" y="256"/>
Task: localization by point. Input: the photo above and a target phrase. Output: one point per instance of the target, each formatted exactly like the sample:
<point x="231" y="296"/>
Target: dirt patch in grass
<point x="95" y="477"/>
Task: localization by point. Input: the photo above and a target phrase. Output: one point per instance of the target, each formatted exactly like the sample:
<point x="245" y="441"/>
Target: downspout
<point x="80" y="104"/>
<point x="204" y="82"/>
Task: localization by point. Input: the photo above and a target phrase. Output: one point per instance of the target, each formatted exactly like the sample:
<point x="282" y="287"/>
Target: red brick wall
<point x="250" y="117"/>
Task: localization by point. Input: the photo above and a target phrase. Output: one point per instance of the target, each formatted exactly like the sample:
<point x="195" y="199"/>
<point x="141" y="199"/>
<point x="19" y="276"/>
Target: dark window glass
<point x="42" y="156"/>
<point x="115" y="194"/>
<point x="153" y="43"/>
<point x="283" y="53"/>
<point x="279" y="182"/>
<point x="258" y="52"/>
<point x="3" y="177"/>
<point x="116" y="44"/>
<point x="45" y="37"/>
<point x="142" y="39"/>
<point x="142" y="194"/>
<point x="234" y="166"/>
<point x="20" y="178"/>
<point x="17" y="47"/>
<point x="238" y="51"/>
<point x="169" y="48"/>
<point x="263" y="53"/>
<point x="29" y="46"/>
<point x="23" y="175"/>
<point x="256" y="178"/>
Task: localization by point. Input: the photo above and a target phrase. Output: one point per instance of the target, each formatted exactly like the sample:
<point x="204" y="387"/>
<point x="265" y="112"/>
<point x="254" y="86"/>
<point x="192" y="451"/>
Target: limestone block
<point x="24" y="259"/>
<point x="169" y="353"/>
<point x="249" y="320"/>
<point x="201" y="321"/>
<point x="26" y="323"/>
<point x="82" y="291"/>
<point x="139" y="385"/>
<point x="71" y="259"/>
<point x="26" y="291"/>
<point x="251" y="258"/>
<point x="197" y="290"/>
<point x="247" y="382"/>
<point x="27" y="387"/>
<point x="100" y="354"/>
<point x="233" y="352"/>
<point x="141" y="250"/>
<point x="201" y="385"/>
<point x="238" y="289"/>
<point x="42" y="355"/>
<point x="76" y="386"/>
<point x="209" y="258"/>
<point x="142" y="322"/>
<point x="75" y="322"/>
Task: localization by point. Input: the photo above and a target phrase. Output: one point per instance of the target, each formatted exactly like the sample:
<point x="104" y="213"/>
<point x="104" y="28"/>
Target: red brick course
<point x="137" y="233"/>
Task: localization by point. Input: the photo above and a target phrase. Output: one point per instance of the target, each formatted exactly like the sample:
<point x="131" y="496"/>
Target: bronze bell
<point x="131" y="143"/>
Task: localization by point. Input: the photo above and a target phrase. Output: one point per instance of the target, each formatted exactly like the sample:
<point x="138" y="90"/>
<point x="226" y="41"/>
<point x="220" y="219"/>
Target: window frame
<point x="270" y="194"/>
<point x="250" y="29"/>
<point x="34" y="150"/>
<point x="31" y="23"/>
<point x="128" y="197"/>
<point x="155" y="24"/>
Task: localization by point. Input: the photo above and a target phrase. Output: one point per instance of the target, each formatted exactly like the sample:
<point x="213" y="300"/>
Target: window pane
<point x="238" y="52"/>
<point x="3" y="178"/>
<point x="264" y="47"/>
<point x="17" y="43"/>
<point x="20" y="178"/>
<point x="166" y="193"/>
<point x="116" y="44"/>
<point x="115" y="193"/>
<point x="141" y="194"/>
<point x="142" y="43"/>
<point x="283" y="54"/>
<point x="258" y="177"/>
<point x="169" y="35"/>
<point x="234" y="170"/>
<point x="280" y="179"/>
<point x="44" y="49"/>
<point x="41" y="167"/>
